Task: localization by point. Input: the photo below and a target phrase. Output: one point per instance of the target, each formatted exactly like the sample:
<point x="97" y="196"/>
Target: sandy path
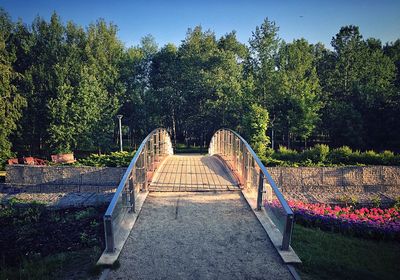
<point x="198" y="236"/>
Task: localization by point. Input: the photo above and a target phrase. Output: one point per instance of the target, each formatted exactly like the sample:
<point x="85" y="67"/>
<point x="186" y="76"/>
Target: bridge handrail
<point x="230" y="146"/>
<point x="151" y="151"/>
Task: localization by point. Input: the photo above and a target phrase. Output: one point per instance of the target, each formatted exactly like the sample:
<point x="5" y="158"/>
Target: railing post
<point x="288" y="232"/>
<point x="109" y="234"/>
<point x="234" y="153"/>
<point x="132" y="195"/>
<point x="144" y="162"/>
<point x="244" y="166"/>
<point x="226" y="150"/>
<point x="124" y="196"/>
<point x="260" y="190"/>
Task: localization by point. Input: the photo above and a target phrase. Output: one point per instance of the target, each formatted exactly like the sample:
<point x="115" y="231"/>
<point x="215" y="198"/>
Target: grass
<point x="183" y="149"/>
<point x="65" y="265"/>
<point x="44" y="243"/>
<point x="327" y="255"/>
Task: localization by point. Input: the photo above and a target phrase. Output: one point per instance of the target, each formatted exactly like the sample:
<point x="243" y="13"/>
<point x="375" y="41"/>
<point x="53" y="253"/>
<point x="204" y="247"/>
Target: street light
<point x="120" y="131"/>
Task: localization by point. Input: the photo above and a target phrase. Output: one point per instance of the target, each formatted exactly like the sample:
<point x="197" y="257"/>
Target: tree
<point x="264" y="46"/>
<point x="255" y="124"/>
<point x="166" y="95"/>
<point x="344" y="119"/>
<point x="137" y="106"/>
<point x="377" y="95"/>
<point x="11" y="101"/>
<point x="66" y="110"/>
<point x="299" y="93"/>
<point x="262" y="66"/>
<point x="104" y="53"/>
<point x="358" y="84"/>
<point x="42" y="79"/>
<point x="211" y="83"/>
<point x="392" y="110"/>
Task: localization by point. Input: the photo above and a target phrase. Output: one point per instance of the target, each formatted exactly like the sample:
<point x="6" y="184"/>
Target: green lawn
<point x="66" y="265"/>
<point x="327" y="255"/>
<point x="183" y="149"/>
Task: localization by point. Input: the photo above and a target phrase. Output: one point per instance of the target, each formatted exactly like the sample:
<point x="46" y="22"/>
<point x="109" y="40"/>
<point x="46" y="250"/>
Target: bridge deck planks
<point x="193" y="173"/>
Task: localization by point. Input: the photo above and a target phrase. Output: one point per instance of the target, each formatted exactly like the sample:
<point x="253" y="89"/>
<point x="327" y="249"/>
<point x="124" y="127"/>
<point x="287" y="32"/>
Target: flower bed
<point x="365" y="222"/>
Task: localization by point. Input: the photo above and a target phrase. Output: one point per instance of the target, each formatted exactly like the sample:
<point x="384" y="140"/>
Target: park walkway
<point x="197" y="234"/>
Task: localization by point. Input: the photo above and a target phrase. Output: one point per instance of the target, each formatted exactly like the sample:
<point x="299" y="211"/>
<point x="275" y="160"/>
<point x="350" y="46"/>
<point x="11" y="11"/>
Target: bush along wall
<point x="322" y="155"/>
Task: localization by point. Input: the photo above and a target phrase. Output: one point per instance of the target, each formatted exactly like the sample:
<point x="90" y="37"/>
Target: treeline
<point x="62" y="86"/>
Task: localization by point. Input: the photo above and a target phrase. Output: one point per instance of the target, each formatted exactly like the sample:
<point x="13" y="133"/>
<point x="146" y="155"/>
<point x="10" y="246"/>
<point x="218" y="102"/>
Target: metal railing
<point x="154" y="148"/>
<point x="252" y="173"/>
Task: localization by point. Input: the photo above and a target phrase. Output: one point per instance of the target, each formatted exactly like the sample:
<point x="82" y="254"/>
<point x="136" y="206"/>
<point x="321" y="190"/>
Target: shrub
<point x="348" y="200"/>
<point x="287" y="154"/>
<point x="115" y="159"/>
<point x="388" y="158"/>
<point x="317" y="154"/>
<point x="376" y="201"/>
<point x="269" y="153"/>
<point x="340" y="155"/>
<point x="370" y="157"/>
<point x="275" y="162"/>
<point x="397" y="203"/>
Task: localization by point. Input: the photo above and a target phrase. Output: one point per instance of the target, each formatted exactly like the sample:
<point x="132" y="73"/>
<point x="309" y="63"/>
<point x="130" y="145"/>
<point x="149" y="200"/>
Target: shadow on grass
<point x="327" y="255"/>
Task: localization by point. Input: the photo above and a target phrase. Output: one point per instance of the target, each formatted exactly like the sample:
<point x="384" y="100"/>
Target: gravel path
<point x="198" y="236"/>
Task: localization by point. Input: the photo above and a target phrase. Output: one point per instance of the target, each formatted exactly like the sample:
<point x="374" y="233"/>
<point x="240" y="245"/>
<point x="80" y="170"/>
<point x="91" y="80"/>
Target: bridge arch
<point x="253" y="176"/>
<point x="235" y="154"/>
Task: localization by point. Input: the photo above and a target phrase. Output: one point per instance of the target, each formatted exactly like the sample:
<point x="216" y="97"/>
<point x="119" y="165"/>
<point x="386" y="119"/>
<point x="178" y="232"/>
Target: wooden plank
<point x="205" y="183"/>
<point x="193" y="173"/>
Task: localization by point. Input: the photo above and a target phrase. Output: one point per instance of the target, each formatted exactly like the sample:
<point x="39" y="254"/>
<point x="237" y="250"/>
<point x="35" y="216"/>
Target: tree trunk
<point x="174" y="127"/>
<point x="273" y="139"/>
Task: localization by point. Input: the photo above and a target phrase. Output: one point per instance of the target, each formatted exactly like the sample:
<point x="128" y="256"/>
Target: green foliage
<point x="358" y="85"/>
<point x="321" y="155"/>
<point x="184" y="149"/>
<point x="286" y="154"/>
<point x="11" y="101"/>
<point x="30" y="231"/>
<point x="115" y="159"/>
<point x="341" y="155"/>
<point x="84" y="214"/>
<point x="371" y="158"/>
<point x="397" y="203"/>
<point x="255" y="124"/>
<point x="376" y="201"/>
<point x="299" y="91"/>
<point x="58" y="265"/>
<point x="316" y="154"/>
<point x="62" y="86"/>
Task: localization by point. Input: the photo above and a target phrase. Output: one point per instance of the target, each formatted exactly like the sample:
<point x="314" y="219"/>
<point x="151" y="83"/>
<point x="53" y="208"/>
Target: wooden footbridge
<point x="215" y="216"/>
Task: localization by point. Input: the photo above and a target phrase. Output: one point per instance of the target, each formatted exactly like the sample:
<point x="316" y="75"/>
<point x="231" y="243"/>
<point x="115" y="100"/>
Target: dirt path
<point x="198" y="236"/>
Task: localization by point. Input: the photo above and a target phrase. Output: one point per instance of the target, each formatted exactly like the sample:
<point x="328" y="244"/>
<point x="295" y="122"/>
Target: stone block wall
<point x="63" y="178"/>
<point x="322" y="184"/>
<point x="325" y="184"/>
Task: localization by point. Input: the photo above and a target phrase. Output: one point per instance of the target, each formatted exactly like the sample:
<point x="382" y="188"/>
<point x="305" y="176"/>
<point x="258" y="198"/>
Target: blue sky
<point x="168" y="21"/>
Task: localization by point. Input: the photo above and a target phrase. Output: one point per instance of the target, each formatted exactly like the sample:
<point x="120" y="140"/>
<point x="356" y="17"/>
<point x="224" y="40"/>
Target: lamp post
<point x="120" y="131"/>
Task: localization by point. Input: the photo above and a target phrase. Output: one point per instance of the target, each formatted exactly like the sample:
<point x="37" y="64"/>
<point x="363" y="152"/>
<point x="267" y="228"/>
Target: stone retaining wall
<point x="305" y="183"/>
<point x="63" y="178"/>
<point x="330" y="183"/>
